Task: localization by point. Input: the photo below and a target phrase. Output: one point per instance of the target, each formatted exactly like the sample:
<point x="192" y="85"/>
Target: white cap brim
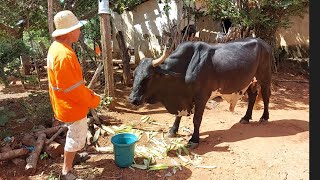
<point x="59" y="32"/>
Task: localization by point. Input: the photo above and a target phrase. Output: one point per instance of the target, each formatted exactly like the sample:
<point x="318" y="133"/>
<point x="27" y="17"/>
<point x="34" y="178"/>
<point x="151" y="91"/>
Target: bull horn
<point x="141" y="54"/>
<point x="160" y="60"/>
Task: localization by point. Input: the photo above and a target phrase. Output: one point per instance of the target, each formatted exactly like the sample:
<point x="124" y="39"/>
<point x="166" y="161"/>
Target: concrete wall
<point x="295" y="40"/>
<point x="208" y="29"/>
<point x="143" y="27"/>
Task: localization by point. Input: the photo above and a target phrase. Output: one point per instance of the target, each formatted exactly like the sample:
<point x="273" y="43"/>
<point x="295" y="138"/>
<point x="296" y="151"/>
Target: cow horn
<point x="141" y="54"/>
<point x="160" y="60"/>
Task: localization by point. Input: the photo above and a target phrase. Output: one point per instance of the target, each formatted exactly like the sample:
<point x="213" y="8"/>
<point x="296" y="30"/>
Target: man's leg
<point x="68" y="160"/>
<point x="75" y="141"/>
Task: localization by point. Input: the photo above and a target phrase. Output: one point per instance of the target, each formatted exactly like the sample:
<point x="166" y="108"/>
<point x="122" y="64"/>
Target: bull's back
<point x="235" y="64"/>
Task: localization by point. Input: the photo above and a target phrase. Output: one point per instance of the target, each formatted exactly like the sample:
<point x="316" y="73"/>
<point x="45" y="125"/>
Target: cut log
<point x="54" y="149"/>
<point x="13" y="154"/>
<point x="60" y="140"/>
<point x="28" y="140"/>
<point x="16" y="161"/>
<point x="32" y="160"/>
<point x="48" y="131"/>
<point x="62" y="129"/>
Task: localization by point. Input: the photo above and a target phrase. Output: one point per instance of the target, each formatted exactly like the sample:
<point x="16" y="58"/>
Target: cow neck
<point x="167" y="72"/>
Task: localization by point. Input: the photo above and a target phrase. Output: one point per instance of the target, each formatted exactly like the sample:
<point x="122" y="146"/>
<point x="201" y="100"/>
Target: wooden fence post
<point x="106" y="52"/>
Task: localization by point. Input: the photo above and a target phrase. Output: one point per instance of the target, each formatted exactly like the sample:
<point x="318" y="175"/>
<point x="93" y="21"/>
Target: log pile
<point x="29" y="149"/>
<point x="27" y="152"/>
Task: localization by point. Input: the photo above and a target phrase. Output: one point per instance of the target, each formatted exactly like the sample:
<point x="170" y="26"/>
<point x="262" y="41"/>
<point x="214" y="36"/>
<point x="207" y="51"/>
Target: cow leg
<point x="252" y="94"/>
<point x="200" y="104"/>
<point x="174" y="129"/>
<point x="266" y="92"/>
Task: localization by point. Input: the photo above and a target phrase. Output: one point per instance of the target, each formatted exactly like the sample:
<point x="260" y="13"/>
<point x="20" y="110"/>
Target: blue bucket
<point x="123" y="148"/>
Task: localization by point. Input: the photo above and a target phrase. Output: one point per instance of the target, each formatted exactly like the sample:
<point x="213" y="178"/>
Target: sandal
<point x="68" y="176"/>
<point x="80" y="157"/>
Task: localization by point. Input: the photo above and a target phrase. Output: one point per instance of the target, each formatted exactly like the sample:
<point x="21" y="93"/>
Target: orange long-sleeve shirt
<point x="69" y="96"/>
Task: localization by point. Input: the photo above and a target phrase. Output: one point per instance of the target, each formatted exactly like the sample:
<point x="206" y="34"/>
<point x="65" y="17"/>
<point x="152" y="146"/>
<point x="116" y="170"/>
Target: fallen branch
<point x="96" y="73"/>
<point x="95" y="76"/>
<point x="48" y="131"/>
<point x="13" y="154"/>
<point x="32" y="160"/>
<point x="62" y="129"/>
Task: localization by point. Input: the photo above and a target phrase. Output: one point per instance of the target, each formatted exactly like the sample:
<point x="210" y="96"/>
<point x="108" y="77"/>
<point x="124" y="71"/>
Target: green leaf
<point x="44" y="156"/>
<point x="185" y="150"/>
<point x="158" y="167"/>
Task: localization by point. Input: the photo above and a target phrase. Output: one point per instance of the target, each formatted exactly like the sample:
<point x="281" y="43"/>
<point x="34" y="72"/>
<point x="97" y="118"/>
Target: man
<point x="69" y="96"/>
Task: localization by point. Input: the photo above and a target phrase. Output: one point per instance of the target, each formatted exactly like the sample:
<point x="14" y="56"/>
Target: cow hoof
<point x="170" y="135"/>
<point x="263" y="121"/>
<point x="243" y="121"/>
<point x="192" y="145"/>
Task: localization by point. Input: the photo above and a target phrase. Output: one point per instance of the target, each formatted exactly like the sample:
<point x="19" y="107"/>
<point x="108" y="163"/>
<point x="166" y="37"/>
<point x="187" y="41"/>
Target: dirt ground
<point x="276" y="150"/>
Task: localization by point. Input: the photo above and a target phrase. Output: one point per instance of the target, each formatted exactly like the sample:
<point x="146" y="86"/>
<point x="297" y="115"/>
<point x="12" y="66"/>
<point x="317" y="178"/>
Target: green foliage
<point x="120" y="6"/>
<point x="263" y="13"/>
<point x="167" y="7"/>
<point x="44" y="156"/>
<point x="52" y="176"/>
<point x="105" y="102"/>
<point x="92" y="29"/>
<point x="263" y="16"/>
<point x="10" y="51"/>
<point x="23" y="13"/>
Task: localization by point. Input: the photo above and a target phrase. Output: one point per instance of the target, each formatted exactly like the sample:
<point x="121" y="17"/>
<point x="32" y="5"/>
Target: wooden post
<point x="50" y="18"/>
<point x="125" y="58"/>
<point x="106" y="52"/>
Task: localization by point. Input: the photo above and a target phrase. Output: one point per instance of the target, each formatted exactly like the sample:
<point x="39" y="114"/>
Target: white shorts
<point x="76" y="135"/>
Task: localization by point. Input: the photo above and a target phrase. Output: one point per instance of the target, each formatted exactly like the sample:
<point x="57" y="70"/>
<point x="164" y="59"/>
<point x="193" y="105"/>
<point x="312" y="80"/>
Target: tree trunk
<point x="125" y="58"/>
<point x="50" y="18"/>
<point x="26" y="64"/>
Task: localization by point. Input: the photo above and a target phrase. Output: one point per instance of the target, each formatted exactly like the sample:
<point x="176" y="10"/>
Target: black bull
<point x="188" y="76"/>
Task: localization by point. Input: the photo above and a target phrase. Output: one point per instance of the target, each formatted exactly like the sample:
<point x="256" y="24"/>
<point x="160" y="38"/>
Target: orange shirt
<point x="69" y="96"/>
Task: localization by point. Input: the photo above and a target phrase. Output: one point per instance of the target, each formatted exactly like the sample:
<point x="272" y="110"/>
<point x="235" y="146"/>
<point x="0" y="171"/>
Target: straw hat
<point x="65" y="22"/>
